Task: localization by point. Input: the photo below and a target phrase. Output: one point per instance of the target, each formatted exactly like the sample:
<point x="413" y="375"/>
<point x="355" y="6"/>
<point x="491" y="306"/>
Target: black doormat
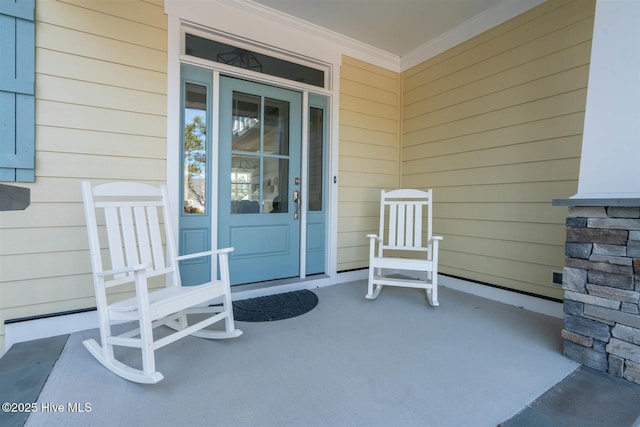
<point x="274" y="307"/>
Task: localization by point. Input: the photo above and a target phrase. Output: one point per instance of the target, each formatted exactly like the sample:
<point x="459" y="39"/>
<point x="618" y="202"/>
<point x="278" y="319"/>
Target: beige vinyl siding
<point x="100" y="115"/>
<point x="368" y="154"/>
<point x="494" y="126"/>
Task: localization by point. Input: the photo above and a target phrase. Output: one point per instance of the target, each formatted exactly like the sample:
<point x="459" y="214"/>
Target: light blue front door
<point x="259" y="181"/>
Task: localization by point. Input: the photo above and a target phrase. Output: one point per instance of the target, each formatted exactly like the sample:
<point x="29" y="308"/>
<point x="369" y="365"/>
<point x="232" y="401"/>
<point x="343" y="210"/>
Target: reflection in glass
<point x="195" y="148"/>
<point x="276" y="129"/>
<point x="259" y="159"/>
<point x="245" y="184"/>
<point x="275" y="185"/>
<point x="316" y="139"/>
<point x="245" y="128"/>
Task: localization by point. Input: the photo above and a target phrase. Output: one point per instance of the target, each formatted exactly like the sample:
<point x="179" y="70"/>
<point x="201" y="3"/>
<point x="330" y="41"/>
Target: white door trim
<point x="175" y="58"/>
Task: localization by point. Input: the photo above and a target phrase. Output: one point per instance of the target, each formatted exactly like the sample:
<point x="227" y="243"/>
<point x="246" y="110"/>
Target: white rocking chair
<point x="138" y="228"/>
<point x="407" y="252"/>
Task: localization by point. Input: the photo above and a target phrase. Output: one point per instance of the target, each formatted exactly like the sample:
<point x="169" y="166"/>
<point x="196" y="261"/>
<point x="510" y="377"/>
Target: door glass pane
<point x="246" y="123"/>
<point x="276" y="127"/>
<point x="245" y="184"/>
<point x="316" y="153"/>
<point x="259" y="155"/>
<point x="276" y="185"/>
<point x="194" y="148"/>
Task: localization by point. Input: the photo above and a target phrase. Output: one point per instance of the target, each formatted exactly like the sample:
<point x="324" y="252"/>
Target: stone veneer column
<point x="601" y="274"/>
<point x="601" y="280"/>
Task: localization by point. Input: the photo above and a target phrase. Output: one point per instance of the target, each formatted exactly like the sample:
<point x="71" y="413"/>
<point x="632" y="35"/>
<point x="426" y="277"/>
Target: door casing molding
<point x="176" y="29"/>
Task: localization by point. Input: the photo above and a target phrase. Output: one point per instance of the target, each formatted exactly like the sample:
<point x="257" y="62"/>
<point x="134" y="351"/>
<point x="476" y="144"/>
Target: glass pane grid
<point x="246" y="128"/>
<point x="260" y="155"/>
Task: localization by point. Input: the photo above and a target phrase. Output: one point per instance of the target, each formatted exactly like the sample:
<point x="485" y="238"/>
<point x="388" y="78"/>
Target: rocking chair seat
<point x="166" y="301"/>
<point x="403" y="263"/>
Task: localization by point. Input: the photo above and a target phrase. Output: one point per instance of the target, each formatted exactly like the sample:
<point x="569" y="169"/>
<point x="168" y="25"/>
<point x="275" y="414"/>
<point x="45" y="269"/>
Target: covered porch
<point x="349" y="361"/>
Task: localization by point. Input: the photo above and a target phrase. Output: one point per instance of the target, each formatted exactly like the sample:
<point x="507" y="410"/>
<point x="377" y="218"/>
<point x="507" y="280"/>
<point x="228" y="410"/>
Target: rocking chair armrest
<point x="374" y="236"/>
<point x="224" y="250"/>
<point x="435" y="240"/>
<point x="204" y="253"/>
<point x="123" y="270"/>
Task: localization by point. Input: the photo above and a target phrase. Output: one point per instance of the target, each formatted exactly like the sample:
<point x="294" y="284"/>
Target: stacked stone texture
<point x="601" y="282"/>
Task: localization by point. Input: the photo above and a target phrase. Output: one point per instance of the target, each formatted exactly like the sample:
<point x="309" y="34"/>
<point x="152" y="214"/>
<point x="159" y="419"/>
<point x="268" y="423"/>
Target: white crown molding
<point x="351" y="46"/>
<point x="480" y="23"/>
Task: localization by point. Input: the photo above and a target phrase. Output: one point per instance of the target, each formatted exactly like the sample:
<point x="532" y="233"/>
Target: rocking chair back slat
<point x="129" y="237"/>
<point x="393" y="213"/>
<point x="417" y="232"/>
<point x="142" y="233"/>
<point x="410" y="226"/>
<point x="115" y="239"/>
<point x="156" y="239"/>
<point x="401" y="224"/>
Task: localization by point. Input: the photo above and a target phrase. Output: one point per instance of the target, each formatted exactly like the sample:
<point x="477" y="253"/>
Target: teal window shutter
<point x="17" y="90"/>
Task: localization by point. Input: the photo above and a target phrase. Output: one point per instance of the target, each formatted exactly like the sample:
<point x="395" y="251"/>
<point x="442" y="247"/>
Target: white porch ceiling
<point x="397" y="27"/>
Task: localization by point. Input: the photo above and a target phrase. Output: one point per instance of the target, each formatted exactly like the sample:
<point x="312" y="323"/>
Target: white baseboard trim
<point x="29" y="330"/>
<point x="527" y="302"/>
<point x="505" y="296"/>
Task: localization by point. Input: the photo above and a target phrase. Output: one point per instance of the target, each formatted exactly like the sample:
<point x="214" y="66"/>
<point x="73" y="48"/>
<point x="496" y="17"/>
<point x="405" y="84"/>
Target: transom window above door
<point x="252" y="60"/>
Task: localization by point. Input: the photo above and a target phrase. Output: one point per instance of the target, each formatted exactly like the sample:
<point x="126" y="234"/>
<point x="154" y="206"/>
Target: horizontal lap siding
<point x="494" y="126"/>
<point x="100" y="115"/>
<point x="368" y="154"/>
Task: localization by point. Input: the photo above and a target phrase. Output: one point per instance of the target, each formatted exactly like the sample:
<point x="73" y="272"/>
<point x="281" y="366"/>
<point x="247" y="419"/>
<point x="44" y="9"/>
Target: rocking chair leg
<point x="148" y="359"/>
<point x="183" y="321"/>
<point x="373" y="293"/>
<point x="120" y="368"/>
<point x="432" y="295"/>
<point x="228" y="321"/>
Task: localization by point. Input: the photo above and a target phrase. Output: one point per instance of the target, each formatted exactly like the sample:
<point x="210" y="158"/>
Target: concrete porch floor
<point x="349" y="362"/>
